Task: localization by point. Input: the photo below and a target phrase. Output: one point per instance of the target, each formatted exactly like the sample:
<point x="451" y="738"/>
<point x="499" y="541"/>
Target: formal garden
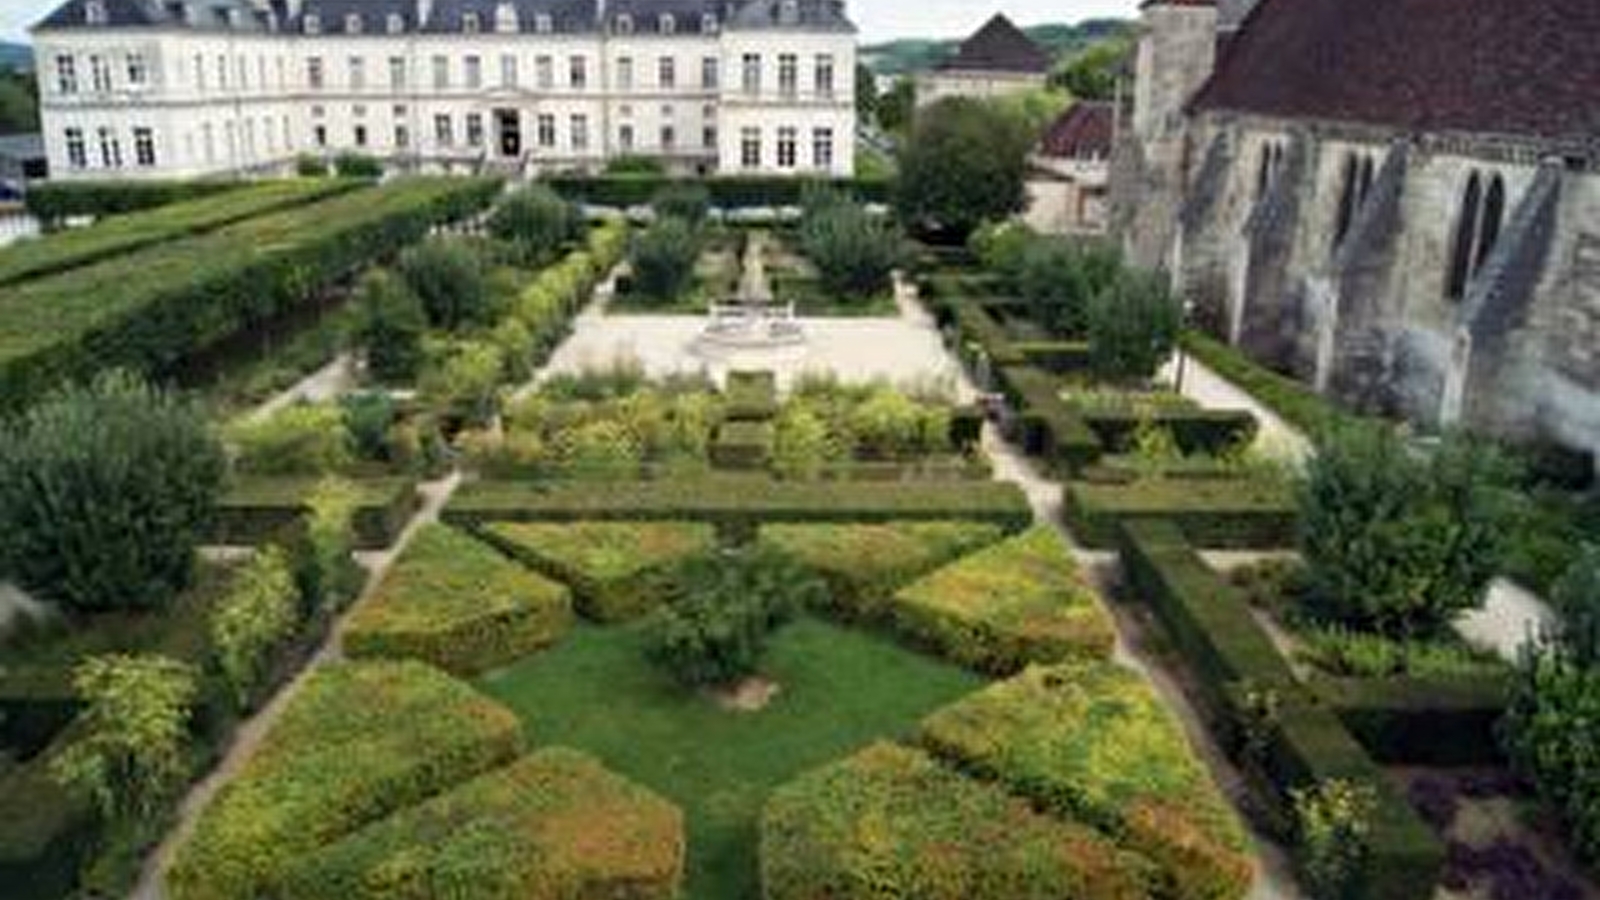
<point x="331" y="572"/>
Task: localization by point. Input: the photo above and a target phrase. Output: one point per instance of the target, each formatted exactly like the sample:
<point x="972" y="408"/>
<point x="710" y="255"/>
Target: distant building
<point x="1071" y="171"/>
<point x="997" y="60"/>
<point x="134" y="88"/>
<point x="1397" y="200"/>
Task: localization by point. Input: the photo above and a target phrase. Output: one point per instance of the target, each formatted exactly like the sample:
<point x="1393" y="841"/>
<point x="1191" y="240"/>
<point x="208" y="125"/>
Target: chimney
<point x="424" y="13"/>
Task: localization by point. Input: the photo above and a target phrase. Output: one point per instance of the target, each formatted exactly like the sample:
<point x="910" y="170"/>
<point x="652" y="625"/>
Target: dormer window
<point x="708" y="23"/>
<point x="94" y="12"/>
<point x="470" y="23"/>
<point x="505" y="19"/>
<point x="624" y="24"/>
<point x="396" y="23"/>
<point x="313" y="23"/>
<point x="543" y="23"/>
<point x="667" y="24"/>
<point x="352" y="24"/>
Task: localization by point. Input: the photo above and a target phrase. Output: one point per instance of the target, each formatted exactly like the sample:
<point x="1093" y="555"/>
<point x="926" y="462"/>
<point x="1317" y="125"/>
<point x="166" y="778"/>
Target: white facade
<point x="175" y="100"/>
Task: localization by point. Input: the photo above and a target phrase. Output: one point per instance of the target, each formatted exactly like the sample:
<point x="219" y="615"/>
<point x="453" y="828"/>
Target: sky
<point x="879" y="19"/>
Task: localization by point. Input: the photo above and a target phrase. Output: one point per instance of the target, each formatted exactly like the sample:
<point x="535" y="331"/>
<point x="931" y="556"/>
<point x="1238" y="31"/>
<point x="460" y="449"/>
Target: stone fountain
<point x="753" y="319"/>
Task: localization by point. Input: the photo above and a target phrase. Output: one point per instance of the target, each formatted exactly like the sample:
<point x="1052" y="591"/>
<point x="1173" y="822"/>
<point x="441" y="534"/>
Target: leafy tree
<point x="1092" y="74"/>
<point x="447" y="275"/>
<point x="965" y="163"/>
<point x="1334" y="837"/>
<point x="854" y="251"/>
<point x="105" y="491"/>
<point x="19" y="102"/>
<point x="1399" y="539"/>
<point x="536" y="222"/>
<point x="392" y="323"/>
<point x="1035" y="110"/>
<point x="368" y="417"/>
<point x="462" y="378"/>
<point x="136" y="717"/>
<point x="300" y="439"/>
<point x="866" y="93"/>
<point x="802" y="446"/>
<point x="897" y="106"/>
<point x="720" y="609"/>
<point x="1549" y="736"/>
<point x="1059" y="277"/>
<point x="1577" y="598"/>
<point x="1133" y="326"/>
<point x="1002" y="247"/>
<point x="664" y="257"/>
<point x="686" y="200"/>
<point x="258" y="615"/>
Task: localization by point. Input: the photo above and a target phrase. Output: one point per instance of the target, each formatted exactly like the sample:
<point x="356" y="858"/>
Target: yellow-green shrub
<point x="1017" y="602"/>
<point x="1091" y="740"/>
<point x="891" y="822"/>
<point x="257" y="614"/>
<point x="355" y="743"/>
<point x="300" y="439"/>
<point x="452" y="601"/>
<point x="610" y="566"/>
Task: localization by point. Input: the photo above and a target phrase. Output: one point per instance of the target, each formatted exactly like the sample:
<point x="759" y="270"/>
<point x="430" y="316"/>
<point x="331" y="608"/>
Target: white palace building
<point x="184" y="88"/>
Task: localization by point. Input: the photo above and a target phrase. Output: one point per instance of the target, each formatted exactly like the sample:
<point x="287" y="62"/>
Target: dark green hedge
<point x="147" y="311"/>
<point x="1056" y="357"/>
<point x="1051" y="430"/>
<point x="1196" y="431"/>
<point x="752" y="396"/>
<point x="256" y="510"/>
<point x="46" y="834"/>
<point x="53" y="201"/>
<point x="1292" y="401"/>
<point x="974" y="325"/>
<point x="728" y="192"/>
<point x="743" y="446"/>
<point x="1421" y="722"/>
<point x="1211" y="513"/>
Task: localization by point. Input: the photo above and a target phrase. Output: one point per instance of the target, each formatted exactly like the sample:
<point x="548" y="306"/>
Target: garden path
<point x="1276" y="438"/>
<point x="327" y="383"/>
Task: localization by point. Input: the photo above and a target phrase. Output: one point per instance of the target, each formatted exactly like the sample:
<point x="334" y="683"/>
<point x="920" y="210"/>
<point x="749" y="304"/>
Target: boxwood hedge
<point x="610" y="566"/>
<point x="1213" y="513"/>
<point x="554" y="825"/>
<point x="864" y="565"/>
<point x="356" y="742"/>
<point x="256" y="509"/>
<point x="1092" y="741"/>
<point x="727" y="192"/>
<point x="892" y="822"/>
<point x="1017" y="602"/>
<point x="452" y="601"/>
<point x="54" y="201"/>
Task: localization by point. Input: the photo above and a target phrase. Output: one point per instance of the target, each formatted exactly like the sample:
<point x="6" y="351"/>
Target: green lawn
<point x="841" y="689"/>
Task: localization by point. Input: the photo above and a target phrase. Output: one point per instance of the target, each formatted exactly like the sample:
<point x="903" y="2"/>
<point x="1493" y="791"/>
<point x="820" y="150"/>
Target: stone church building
<point x="1396" y="200"/>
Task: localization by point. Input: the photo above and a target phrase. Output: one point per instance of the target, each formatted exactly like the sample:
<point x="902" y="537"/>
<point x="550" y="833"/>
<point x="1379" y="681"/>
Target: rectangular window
<point x="824" y="75"/>
<point x="788" y="74"/>
<point x="110" y="149"/>
<point x="144" y="147"/>
<point x="244" y="72"/>
<point x="319" y="135"/>
<point x="99" y="74"/>
<point x="544" y="72"/>
<point x="222" y="73"/>
<point x="358" y="73"/>
<point x="67" y="75"/>
<point x="669" y="138"/>
<point x="546" y="129"/>
<point x="199" y="72"/>
<point x="625" y="138"/>
<point x="580" y="132"/>
<point x="441" y="72"/>
<point x="710" y="73"/>
<point x="624" y="73"/>
<point x="508" y="70"/>
<point x="397" y="73"/>
<point x="138" y="72"/>
<point x="402" y="137"/>
<point x="786" y="148"/>
<point x="580" y="73"/>
<point x="474" y="72"/>
<point x="822" y="147"/>
<point x="708" y="136"/>
<point x="474" y="129"/>
<point x="667" y="73"/>
<point x="750" y="148"/>
<point x="444" y="130"/>
<point x="314" y="72"/>
<point x="77" y="156"/>
<point x="752" y="73"/>
<point x="360" y="135"/>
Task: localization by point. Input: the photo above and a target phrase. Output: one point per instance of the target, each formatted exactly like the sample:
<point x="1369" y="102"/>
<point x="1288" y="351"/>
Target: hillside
<point x="915" y="54"/>
<point x="15" y="56"/>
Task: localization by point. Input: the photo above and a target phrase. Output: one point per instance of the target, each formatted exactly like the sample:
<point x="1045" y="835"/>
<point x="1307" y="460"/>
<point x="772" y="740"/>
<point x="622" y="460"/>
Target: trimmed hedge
<point x="1051" y="430"/>
<point x="148" y="311"/>
<point x="891" y="822"/>
<point x="752" y="396"/>
<point x="864" y="565"/>
<point x="452" y="601"/>
<point x="1091" y="741"/>
<point x="726" y="192"/>
<point x="554" y="825"/>
<point x="46" y="833"/>
<point x="738" y="502"/>
<point x="255" y="510"/>
<point x="81" y="246"/>
<point x="1198" y="431"/>
<point x="1292" y="401"/>
<point x="743" y="446"/>
<point x="54" y="201"/>
<point x="1421" y="722"/>
<point x="1017" y="602"/>
<point x="1055" y="357"/>
<point x="1211" y="513"/>
<point x="611" y="567"/>
<point x="357" y="742"/>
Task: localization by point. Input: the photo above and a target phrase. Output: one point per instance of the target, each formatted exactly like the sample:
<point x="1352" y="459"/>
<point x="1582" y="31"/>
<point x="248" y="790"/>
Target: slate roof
<point x="1083" y="130"/>
<point x="999" y="46"/>
<point x="812" y="15"/>
<point x="1505" y="67"/>
<point x="206" y="14"/>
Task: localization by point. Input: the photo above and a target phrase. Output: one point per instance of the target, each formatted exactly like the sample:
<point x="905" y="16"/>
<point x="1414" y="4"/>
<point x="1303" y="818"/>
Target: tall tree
<point x="19" y="102"/>
<point x="964" y="164"/>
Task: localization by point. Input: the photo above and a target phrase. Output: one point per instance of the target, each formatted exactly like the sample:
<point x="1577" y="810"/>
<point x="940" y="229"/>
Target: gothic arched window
<point x="1348" y="198"/>
<point x="1461" y="253"/>
<point x="1494" y="210"/>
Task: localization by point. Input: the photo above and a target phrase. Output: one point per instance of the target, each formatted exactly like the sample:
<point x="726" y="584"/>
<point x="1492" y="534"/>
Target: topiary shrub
<point x="663" y="258"/>
<point x="390" y="328"/>
<point x="308" y="166"/>
<point x="448" y="276"/>
<point x="300" y="439"/>
<point x="1399" y="539"/>
<point x="535" y="222"/>
<point x="357" y="165"/>
<point x="105" y="491"/>
<point x="1132" y="327"/>
<point x="720" y="609"/>
<point x="802" y="446"/>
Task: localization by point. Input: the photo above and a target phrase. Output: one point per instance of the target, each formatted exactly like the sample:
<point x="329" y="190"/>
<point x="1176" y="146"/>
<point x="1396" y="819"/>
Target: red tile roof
<point x="999" y="46"/>
<point x="1083" y="130"/>
<point x="1514" y="67"/>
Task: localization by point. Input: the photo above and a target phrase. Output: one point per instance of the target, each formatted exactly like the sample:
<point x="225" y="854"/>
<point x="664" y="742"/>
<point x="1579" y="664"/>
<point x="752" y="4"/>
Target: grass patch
<point x="840" y="691"/>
